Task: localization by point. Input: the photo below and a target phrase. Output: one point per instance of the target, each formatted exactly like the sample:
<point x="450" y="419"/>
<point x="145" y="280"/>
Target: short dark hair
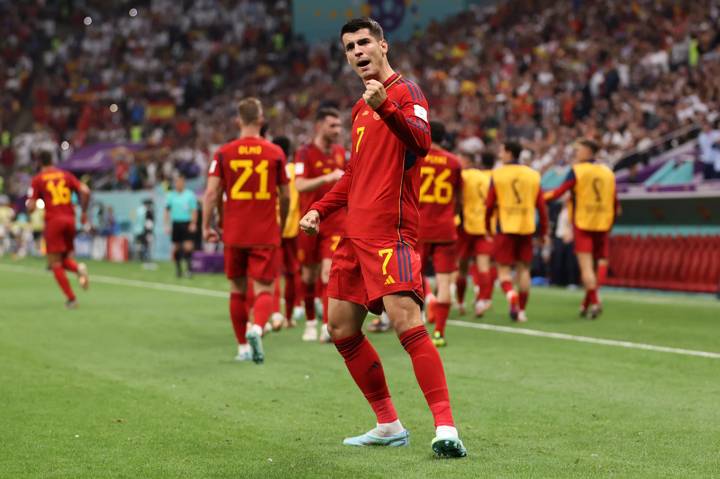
<point x="323" y="113"/>
<point x="591" y="144"/>
<point x="515" y="148"/>
<point x="487" y="160"/>
<point x="284" y="143"/>
<point x="357" y="24"/>
<point x="45" y="158"/>
<point x="437" y="132"/>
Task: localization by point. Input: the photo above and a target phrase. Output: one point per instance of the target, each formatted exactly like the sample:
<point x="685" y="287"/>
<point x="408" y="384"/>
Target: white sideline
<point x="465" y="324"/>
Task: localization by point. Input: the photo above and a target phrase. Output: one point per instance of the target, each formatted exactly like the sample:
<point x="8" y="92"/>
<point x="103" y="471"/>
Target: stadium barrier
<point x="676" y="263"/>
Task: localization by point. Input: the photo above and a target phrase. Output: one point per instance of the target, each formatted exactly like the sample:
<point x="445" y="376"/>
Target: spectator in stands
<point x="709" y="143"/>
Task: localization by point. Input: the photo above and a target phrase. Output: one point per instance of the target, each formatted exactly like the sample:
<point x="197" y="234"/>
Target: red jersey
<point x="441" y="180"/>
<point x="250" y="170"/>
<point x="312" y="162"/>
<point x="381" y="182"/>
<point x="55" y="187"/>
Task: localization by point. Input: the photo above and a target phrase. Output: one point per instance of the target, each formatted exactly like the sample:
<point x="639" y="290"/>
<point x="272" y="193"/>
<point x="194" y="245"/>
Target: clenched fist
<point x="310" y="223"/>
<point x="375" y="94"/>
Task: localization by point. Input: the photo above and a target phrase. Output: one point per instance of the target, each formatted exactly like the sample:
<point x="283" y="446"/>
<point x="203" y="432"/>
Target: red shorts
<point x="442" y="255"/>
<point x="470" y="246"/>
<point x="288" y="255"/>
<point x="257" y="263"/>
<point x="60" y="235"/>
<point x="510" y="248"/>
<point x="313" y="249"/>
<point x="595" y="242"/>
<point x="363" y="271"/>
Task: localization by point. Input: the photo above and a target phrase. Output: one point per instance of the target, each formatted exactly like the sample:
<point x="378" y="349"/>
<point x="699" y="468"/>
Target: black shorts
<point x="181" y="232"/>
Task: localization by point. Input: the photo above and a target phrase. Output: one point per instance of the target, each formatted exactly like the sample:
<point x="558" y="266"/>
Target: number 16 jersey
<point x="55" y="187"/>
<point x="250" y="169"/>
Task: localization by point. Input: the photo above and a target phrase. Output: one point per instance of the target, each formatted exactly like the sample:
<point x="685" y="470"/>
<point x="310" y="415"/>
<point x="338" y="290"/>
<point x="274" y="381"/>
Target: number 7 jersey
<point x="250" y="170"/>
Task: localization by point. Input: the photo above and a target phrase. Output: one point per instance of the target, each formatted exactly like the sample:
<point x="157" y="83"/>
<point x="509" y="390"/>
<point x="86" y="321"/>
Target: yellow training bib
<point x="516" y="187"/>
<point x="476" y="184"/>
<point x="292" y="225"/>
<point x="594" y="197"/>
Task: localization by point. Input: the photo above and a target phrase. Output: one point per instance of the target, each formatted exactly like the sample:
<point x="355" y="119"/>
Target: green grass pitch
<point x="140" y="383"/>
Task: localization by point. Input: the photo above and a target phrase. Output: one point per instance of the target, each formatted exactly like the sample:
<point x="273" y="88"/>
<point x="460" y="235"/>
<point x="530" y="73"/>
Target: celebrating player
<point x="250" y="171"/>
<point x="375" y="265"/>
<point x="515" y="191"/>
<point x="55" y="188"/>
<point x="440" y="188"/>
<point x="182" y="212"/>
<point x="473" y="242"/>
<point x="319" y="166"/>
<point x="594" y="206"/>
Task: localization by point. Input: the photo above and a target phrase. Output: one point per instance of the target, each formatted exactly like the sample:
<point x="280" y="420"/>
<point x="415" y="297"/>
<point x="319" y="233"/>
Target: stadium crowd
<point x="625" y="73"/>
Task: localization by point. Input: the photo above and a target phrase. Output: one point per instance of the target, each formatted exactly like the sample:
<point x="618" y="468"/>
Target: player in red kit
<point x="319" y="165"/>
<point x="440" y="187"/>
<point x="55" y="188"/>
<point x="250" y="171"/>
<point x="376" y="266"/>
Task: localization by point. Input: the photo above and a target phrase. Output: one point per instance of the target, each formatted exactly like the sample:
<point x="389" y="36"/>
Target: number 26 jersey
<point x="250" y="169"/>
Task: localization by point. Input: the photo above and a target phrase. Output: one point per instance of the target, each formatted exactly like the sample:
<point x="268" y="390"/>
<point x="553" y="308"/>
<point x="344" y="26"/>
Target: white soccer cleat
<point x="522" y="317"/>
<point x="268" y="328"/>
<point x="244" y="353"/>
<point x="325" y="334"/>
<point x="276" y="321"/>
<point x="481" y="307"/>
<point x="310" y="333"/>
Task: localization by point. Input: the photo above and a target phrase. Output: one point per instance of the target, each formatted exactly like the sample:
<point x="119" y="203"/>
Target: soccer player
<point x="250" y="171"/>
<point x="182" y="211"/>
<point x="473" y="242"/>
<point x="594" y="207"/>
<point x="375" y="265"/>
<point x="290" y="233"/>
<point x="440" y="188"/>
<point x="55" y="188"/>
<point x="320" y="165"/>
<point x="515" y="192"/>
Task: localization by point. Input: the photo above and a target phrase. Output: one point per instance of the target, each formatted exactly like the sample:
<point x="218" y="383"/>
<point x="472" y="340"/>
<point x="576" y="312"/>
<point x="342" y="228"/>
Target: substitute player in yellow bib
<point x="594" y="208"/>
<point x="515" y="192"/>
<point x="473" y="242"/>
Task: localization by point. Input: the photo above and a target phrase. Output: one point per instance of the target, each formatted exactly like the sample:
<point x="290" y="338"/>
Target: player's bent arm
<point x="284" y="198"/>
<point x="84" y="194"/>
<point x="310" y="223"/>
<point x="305" y="185"/>
<point x="542" y="212"/>
<point x="404" y="122"/>
<point x="336" y="198"/>
<point x="31" y="205"/>
<point x="552" y="195"/>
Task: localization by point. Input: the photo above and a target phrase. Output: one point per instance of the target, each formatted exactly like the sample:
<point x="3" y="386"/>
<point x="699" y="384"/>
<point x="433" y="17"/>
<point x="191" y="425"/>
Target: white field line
<point x="487" y="327"/>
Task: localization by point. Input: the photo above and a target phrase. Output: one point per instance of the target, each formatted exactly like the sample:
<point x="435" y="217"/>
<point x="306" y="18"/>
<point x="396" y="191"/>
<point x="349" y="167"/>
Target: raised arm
<point x="408" y="120"/>
<point x="566" y="185"/>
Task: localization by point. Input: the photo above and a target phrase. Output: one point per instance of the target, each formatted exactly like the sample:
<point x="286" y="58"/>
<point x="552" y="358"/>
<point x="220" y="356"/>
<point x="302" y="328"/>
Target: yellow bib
<point x="292" y="225"/>
<point x="594" y="197"/>
<point x="516" y="187"/>
<point x="476" y="184"/>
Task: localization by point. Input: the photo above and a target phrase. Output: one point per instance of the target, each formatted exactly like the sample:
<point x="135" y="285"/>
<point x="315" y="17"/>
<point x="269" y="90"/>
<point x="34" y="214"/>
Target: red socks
<point x="602" y="270"/>
<point x="523" y="296"/>
<point x="62" y="281"/>
<point x="475" y="273"/>
<point x="506" y="286"/>
<point x="441" y="313"/>
<point x="592" y="296"/>
<point x="262" y="309"/>
<point x="429" y="373"/>
<point x="310" y="302"/>
<point x="366" y="369"/>
<point x="70" y="265"/>
<point x="485" y="291"/>
<point x="239" y="316"/>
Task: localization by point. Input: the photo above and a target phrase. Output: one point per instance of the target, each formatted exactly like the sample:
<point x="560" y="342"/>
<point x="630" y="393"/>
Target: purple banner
<point x="98" y="157"/>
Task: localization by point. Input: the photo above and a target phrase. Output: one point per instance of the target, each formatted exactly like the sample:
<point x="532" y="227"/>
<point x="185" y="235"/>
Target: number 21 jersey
<point x="250" y="170"/>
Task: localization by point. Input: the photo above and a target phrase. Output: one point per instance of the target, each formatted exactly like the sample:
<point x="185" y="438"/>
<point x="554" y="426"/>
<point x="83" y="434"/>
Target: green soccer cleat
<point x="255" y="341"/>
<point x="448" y="447"/>
<point x="368" y="439"/>
<point x="438" y="340"/>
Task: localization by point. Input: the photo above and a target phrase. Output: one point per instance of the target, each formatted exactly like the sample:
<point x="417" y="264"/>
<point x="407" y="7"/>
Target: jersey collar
<point x="394" y="78"/>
